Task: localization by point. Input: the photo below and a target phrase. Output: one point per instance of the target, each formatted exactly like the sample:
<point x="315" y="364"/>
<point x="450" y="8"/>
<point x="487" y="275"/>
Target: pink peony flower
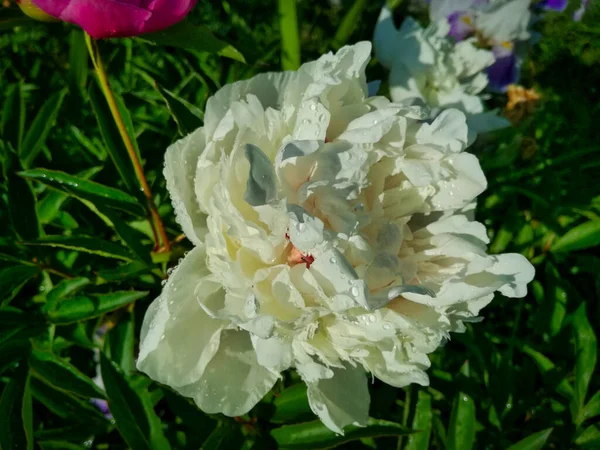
<point x="118" y="18"/>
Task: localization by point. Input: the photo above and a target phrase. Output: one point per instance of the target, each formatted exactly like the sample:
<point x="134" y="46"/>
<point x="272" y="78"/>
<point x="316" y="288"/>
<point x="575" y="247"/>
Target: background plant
<point x="79" y="264"/>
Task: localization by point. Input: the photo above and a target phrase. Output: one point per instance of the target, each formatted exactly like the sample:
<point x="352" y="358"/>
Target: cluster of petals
<point x="117" y="18"/>
<point x="425" y="64"/>
<point x="333" y="234"/>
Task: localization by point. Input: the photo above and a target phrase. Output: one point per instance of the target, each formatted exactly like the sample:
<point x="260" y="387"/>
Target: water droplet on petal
<point x="387" y="326"/>
<point x="372" y="318"/>
<point x="313" y="107"/>
<point x="333" y="260"/>
<point x="354" y="291"/>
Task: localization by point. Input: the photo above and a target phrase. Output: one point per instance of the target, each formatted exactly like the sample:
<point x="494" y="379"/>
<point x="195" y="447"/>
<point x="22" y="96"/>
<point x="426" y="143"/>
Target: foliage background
<point x="77" y="270"/>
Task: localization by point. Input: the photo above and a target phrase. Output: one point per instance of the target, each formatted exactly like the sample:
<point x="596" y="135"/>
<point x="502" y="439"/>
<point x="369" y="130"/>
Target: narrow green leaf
<point x="78" y="61"/>
<point x="290" y="37"/>
<point x="131" y="237"/>
<point x="82" y="307"/>
<point x="112" y="138"/>
<point x="421" y="423"/>
<point x="193" y="37"/>
<point x="589" y="438"/>
<point x="534" y="442"/>
<point x="85" y="244"/>
<point x="21" y="202"/>
<point x="124" y="271"/>
<point x="580" y="237"/>
<point x="226" y="436"/>
<point x="49" y="206"/>
<point x="591" y="409"/>
<point x="40" y="127"/>
<point x="461" y="430"/>
<point x="119" y="343"/>
<point x="132" y="410"/>
<point x="199" y="425"/>
<point x="74" y="432"/>
<point x="16" y="426"/>
<point x="60" y="445"/>
<point x="86" y="189"/>
<point x="187" y="117"/>
<point x="12" y="121"/>
<point x="67" y="406"/>
<point x="585" y="357"/>
<point x="547" y="368"/>
<point x="62" y="375"/>
<point x="66" y="288"/>
<point x="315" y="435"/>
<point x="12" y="351"/>
<point x="292" y="405"/>
<point x="12" y="280"/>
<point x="349" y="23"/>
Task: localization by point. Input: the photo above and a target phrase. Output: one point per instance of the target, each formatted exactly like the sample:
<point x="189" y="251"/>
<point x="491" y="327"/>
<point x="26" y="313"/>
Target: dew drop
<point x="354" y="291"/>
<point x="313" y="107"/>
<point x="162" y="337"/>
<point x="386" y="326"/>
<point x="333" y="260"/>
<point x="372" y="318"/>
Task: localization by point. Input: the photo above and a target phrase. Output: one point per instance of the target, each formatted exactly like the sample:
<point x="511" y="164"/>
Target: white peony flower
<point x="424" y="64"/>
<point x="333" y="234"/>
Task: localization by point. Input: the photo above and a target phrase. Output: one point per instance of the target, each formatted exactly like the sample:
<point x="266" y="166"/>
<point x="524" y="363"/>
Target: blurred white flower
<point x="333" y="234"/>
<point x="424" y="64"/>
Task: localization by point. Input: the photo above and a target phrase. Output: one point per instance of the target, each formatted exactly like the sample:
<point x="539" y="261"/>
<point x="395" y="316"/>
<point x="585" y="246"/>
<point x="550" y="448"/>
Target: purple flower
<point x="505" y="70"/>
<point x="118" y="18"/>
<point x="461" y="25"/>
<point x="553" y="5"/>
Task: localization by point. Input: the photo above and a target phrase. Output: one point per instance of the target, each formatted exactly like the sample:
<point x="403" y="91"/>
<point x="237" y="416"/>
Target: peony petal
<point x="178" y="339"/>
<point x="341" y="400"/>
<point x="233" y="381"/>
<point x="385" y="38"/>
<point x="261" y="187"/>
<point x="180" y="172"/>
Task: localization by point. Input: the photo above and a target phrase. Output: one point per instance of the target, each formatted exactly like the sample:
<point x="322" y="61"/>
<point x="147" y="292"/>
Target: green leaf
<point x="12" y="122"/>
<point x="66" y="288"/>
<point x="590" y="437"/>
<point x="85" y="244"/>
<point x="421" y="423"/>
<point x="119" y="343"/>
<point x="21" y="202"/>
<point x="66" y="405"/>
<point x="556" y="300"/>
<point x="131" y="237"/>
<point x="82" y="307"/>
<point x="534" y="442"/>
<point x="39" y="128"/>
<point x="16" y="426"/>
<point x="349" y="23"/>
<point x="292" y="404"/>
<point x="86" y="189"/>
<point x="547" y="368"/>
<point x="580" y="237"/>
<point x="315" y="435"/>
<point x="124" y="271"/>
<point x="78" y="62"/>
<point x="73" y="432"/>
<point x="12" y="280"/>
<point x="585" y="357"/>
<point x="132" y="410"/>
<point x="290" y="38"/>
<point x="193" y="37"/>
<point x="112" y="138"/>
<point x="62" y="375"/>
<point x="461" y="430"/>
<point x="187" y="117"/>
<point x="60" y="445"/>
<point x="591" y="409"/>
<point x="12" y="351"/>
<point x="48" y="208"/>
<point x="226" y="436"/>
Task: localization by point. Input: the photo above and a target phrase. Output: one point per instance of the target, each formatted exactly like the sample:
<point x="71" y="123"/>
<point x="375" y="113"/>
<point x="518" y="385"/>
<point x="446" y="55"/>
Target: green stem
<point x="158" y="227"/>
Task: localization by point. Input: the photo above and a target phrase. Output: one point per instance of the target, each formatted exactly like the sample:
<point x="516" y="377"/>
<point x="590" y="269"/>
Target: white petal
<point x="233" y="381"/>
<point x="178" y="338"/>
<point x="341" y="400"/>
<point x="180" y="170"/>
<point x="385" y="38"/>
<point x="449" y="129"/>
<point x="274" y="352"/>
